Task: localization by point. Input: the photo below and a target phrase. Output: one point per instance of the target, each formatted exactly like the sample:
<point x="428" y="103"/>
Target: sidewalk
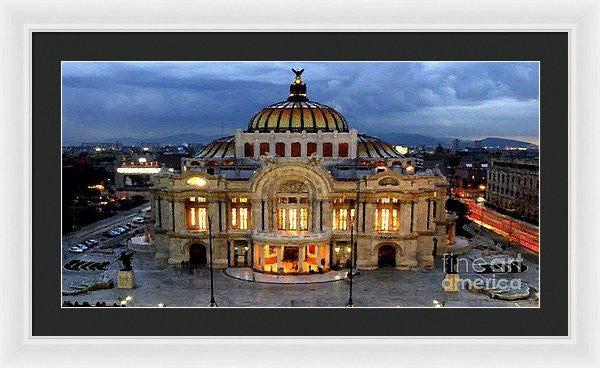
<point x="247" y="274"/>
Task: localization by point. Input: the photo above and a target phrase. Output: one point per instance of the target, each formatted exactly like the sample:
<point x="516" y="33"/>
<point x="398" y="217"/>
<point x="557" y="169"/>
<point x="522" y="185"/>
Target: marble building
<point x="289" y="192"/>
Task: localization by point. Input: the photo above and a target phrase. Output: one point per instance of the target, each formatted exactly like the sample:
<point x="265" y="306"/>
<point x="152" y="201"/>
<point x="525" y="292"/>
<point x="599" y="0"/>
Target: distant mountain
<point x="402" y="139"/>
<point x="502" y="142"/>
<point x="405" y="139"/>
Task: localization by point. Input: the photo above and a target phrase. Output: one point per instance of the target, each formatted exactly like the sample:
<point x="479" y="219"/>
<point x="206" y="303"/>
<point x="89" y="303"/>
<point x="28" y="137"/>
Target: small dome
<point x="219" y="148"/>
<point x="371" y="147"/>
<point x="297" y="114"/>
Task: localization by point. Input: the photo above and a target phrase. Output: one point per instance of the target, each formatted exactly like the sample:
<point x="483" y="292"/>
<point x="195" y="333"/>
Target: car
<point x="139" y="220"/>
<point x="90" y="243"/>
<point x="125" y="227"/>
<point x="75" y="250"/>
<point x="131" y="225"/>
<point x="81" y="246"/>
<point x="111" y="233"/>
<point x="119" y="229"/>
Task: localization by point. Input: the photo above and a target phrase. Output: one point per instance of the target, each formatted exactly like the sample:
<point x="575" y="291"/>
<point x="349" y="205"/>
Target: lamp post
<point x="350" y="302"/>
<point x="213" y="303"/>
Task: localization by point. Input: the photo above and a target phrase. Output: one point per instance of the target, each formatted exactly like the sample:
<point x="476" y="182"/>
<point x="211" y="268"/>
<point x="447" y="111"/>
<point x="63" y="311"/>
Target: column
<point x="179" y="217"/>
<point x="279" y="254"/>
<point x="318" y="255"/>
<point x="262" y="257"/>
<point x="327" y="252"/>
<point x="370" y="209"/>
<point x="451" y="233"/>
<point x="301" y="258"/>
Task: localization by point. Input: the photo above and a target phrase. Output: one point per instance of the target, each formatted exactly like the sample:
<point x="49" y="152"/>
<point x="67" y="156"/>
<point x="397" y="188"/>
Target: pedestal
<point x="125" y="280"/>
<point x="451" y="283"/>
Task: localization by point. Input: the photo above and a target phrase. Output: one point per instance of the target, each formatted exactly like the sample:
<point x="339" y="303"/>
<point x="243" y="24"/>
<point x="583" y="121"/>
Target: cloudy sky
<point x="103" y="101"/>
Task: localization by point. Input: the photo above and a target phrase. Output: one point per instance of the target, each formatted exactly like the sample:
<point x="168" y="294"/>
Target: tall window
<point x="311" y="148"/>
<point x="248" y="149"/>
<point x="296" y="150"/>
<point x="343" y="150"/>
<point x="327" y="149"/>
<point x="343" y="213"/>
<point x="387" y="215"/>
<point x="279" y="149"/>
<point x="240" y="209"/>
<point x="292" y="213"/>
<point x="196" y="214"/>
<point x="264" y="148"/>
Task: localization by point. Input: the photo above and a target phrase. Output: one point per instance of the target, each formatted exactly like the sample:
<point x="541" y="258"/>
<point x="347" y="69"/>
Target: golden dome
<point x="297" y="114"/>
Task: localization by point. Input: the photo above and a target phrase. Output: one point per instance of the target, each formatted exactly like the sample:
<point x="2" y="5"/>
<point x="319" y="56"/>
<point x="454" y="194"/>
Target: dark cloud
<point x="103" y="101"/>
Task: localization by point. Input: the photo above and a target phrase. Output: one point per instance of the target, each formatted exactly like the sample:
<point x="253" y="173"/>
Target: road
<point x="526" y="235"/>
<point x="94" y="231"/>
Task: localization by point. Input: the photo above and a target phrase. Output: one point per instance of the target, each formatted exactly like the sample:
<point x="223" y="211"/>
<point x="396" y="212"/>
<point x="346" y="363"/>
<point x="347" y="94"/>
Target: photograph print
<point x="300" y="184"/>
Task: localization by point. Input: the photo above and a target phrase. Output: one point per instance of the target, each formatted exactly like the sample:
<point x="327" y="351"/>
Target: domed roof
<point x="371" y="147"/>
<point x="220" y="148"/>
<point x="297" y="114"/>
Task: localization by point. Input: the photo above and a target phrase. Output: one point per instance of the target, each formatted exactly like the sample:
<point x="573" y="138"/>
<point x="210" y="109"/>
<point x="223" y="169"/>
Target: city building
<point x="513" y="187"/>
<point x="289" y="193"/>
<point x="133" y="173"/>
<point x="469" y="180"/>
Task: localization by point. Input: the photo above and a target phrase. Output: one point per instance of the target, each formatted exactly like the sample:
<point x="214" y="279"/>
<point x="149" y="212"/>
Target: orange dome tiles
<point x="297" y="117"/>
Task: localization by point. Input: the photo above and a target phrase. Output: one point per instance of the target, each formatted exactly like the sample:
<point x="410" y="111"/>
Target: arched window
<point x="293" y="207"/>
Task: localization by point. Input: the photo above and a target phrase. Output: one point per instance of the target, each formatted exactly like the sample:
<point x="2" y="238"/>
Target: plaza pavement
<point x="379" y="288"/>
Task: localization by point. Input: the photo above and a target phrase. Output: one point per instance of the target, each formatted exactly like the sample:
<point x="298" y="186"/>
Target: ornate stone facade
<point x="290" y="202"/>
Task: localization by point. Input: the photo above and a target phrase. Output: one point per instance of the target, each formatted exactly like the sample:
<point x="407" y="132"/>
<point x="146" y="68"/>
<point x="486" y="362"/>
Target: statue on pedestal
<point x="125" y="259"/>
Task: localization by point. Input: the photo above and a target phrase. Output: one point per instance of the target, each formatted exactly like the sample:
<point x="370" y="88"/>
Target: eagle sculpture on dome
<point x="298" y="72"/>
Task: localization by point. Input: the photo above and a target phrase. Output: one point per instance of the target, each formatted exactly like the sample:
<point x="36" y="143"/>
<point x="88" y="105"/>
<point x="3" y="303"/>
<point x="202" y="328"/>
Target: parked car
<point x="111" y="233"/>
<point x="139" y="220"/>
<point x="75" y="250"/>
<point x="91" y="243"/>
<point x="81" y="246"/>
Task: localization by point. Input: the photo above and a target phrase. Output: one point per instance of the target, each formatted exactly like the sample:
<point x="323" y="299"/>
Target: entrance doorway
<point x="435" y="241"/>
<point x="386" y="256"/>
<point x="197" y="255"/>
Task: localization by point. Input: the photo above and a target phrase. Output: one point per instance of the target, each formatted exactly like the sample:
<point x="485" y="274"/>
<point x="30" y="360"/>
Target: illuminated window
<point x="335" y="221"/>
<point x="243" y="218"/>
<point x="293" y="218"/>
<point x="303" y="219"/>
<point x="196" y="181"/>
<point x="239" y="213"/>
<point x="281" y="216"/>
<point x="387" y="214"/>
<point x="197" y="218"/>
<point x="343" y="219"/>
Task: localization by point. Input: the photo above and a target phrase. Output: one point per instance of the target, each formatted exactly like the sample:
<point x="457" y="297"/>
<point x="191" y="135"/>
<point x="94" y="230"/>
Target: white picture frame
<point x="581" y="19"/>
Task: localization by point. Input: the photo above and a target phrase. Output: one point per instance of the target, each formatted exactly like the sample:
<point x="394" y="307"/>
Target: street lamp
<point x="350" y="302"/>
<point x="213" y="303"/>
